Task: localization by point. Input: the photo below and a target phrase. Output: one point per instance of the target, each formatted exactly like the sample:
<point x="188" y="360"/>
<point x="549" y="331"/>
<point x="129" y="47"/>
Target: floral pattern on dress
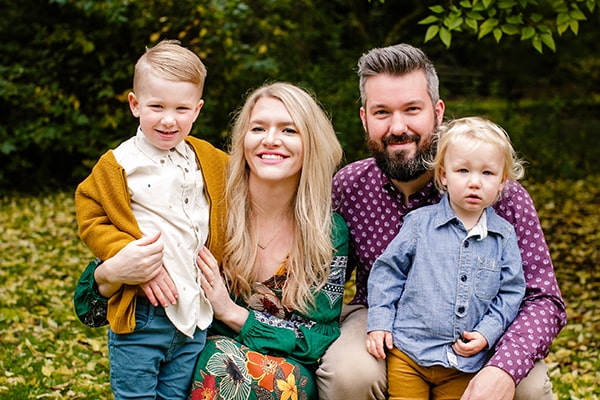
<point x="230" y="366"/>
<point x="234" y="372"/>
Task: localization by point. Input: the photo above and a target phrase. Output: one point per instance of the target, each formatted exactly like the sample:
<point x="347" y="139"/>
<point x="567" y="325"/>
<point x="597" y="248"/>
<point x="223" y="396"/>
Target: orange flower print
<point x="263" y="368"/>
<point x="288" y="388"/>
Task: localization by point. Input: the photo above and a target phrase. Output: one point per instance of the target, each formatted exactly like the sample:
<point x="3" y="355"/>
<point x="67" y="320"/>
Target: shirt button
<point x="186" y="200"/>
<point x="463" y="278"/>
<point x="466" y="244"/>
<point x="461" y="310"/>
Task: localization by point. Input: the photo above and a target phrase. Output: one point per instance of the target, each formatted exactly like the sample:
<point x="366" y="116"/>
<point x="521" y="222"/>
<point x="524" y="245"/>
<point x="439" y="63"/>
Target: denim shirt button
<point x="463" y="278"/>
<point x="466" y="244"/>
<point x="461" y="310"/>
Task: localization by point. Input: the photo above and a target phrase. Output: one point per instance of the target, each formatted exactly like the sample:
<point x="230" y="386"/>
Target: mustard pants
<point x="408" y="380"/>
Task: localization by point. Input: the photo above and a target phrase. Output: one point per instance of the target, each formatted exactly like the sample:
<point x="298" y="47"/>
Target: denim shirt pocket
<point x="487" y="278"/>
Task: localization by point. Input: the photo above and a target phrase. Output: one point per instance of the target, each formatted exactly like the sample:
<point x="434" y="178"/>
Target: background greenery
<point x="66" y="67"/>
<point x="65" y="70"/>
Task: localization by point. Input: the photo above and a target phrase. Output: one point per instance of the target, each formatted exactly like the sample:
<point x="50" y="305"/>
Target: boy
<point x="451" y="281"/>
<point x="159" y="182"/>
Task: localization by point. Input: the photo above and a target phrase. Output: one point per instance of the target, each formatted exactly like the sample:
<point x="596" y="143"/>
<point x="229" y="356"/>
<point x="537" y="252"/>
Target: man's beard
<point x="399" y="165"/>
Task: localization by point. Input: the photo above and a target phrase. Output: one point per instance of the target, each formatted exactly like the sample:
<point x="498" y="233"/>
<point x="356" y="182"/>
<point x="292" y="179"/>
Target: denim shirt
<point x="435" y="281"/>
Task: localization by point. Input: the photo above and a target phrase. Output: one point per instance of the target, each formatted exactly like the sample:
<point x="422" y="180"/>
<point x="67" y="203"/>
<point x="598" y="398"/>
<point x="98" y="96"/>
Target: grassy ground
<point x="45" y="352"/>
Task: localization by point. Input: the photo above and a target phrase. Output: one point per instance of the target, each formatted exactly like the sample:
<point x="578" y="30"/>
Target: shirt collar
<point x="480" y="229"/>
<point x="154" y="152"/>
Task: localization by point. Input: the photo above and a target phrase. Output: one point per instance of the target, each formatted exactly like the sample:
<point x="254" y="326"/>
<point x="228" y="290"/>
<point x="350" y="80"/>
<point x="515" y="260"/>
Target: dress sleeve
<point x="305" y="336"/>
<point x="542" y="313"/>
<point x="90" y="306"/>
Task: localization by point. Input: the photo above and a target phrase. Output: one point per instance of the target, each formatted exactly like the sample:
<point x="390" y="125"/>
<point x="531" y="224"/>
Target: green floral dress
<point x="275" y="354"/>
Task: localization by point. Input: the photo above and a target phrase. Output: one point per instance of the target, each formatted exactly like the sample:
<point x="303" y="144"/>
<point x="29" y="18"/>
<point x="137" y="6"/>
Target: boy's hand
<point x="378" y="342"/>
<point x="161" y="289"/>
<point x="471" y="343"/>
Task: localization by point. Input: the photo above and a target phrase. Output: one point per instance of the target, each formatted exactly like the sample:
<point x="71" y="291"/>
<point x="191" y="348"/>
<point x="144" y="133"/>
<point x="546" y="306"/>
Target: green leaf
<point x="535" y="17"/>
<point x="453" y="22"/>
<point x="527" y="33"/>
<point x="574" y="25"/>
<point x="497" y="34"/>
<point x="577" y="14"/>
<point x="437" y="9"/>
<point x="429" y="20"/>
<point x="432" y="32"/>
<point x="486" y="27"/>
<point x="562" y="19"/>
<point x="445" y="36"/>
<point x="560" y="29"/>
<point x="465" y="4"/>
<point x="474" y="15"/>
<point x="505" y="4"/>
<point x="537" y="44"/>
<point x="516" y="19"/>
<point x="471" y="23"/>
<point x="509" y="29"/>
<point x="548" y="40"/>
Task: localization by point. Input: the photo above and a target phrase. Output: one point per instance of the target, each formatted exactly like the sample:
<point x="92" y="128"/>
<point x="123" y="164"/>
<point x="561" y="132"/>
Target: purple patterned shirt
<point x="373" y="209"/>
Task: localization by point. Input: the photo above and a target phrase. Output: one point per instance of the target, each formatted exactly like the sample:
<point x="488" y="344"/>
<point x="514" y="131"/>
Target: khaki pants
<point x="348" y="371"/>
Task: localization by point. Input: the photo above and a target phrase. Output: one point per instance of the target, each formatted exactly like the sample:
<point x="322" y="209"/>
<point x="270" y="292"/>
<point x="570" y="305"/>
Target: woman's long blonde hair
<point x="309" y="260"/>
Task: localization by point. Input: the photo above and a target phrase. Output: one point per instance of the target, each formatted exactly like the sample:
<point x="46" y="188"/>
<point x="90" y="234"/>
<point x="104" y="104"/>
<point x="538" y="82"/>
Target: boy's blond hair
<point x="469" y="133"/>
<point x="171" y="61"/>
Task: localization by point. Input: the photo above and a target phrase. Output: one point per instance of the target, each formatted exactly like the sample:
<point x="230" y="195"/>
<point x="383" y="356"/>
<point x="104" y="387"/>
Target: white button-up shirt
<point x="167" y="195"/>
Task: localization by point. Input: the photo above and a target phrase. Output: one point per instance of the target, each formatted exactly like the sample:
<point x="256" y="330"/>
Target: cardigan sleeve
<point x="106" y="222"/>
<point x="304" y="337"/>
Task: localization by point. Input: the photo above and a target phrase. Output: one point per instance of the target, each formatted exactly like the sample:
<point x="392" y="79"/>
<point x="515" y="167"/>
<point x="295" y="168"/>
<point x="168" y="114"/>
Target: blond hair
<point x="469" y="133"/>
<point x="309" y="260"/>
<point x="170" y="61"/>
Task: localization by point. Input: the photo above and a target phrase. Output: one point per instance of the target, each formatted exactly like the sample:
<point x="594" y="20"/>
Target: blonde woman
<point x="278" y="300"/>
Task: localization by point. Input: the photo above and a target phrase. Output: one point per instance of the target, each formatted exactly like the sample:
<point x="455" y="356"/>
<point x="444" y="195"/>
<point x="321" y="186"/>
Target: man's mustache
<point x="400" y="139"/>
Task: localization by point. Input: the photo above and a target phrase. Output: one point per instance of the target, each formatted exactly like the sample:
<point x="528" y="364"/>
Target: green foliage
<point x="534" y="21"/>
<point x="47" y="353"/>
<point x="66" y="68"/>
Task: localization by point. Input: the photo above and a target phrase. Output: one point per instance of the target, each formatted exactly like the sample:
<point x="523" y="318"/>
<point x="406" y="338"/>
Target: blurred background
<point x="66" y="67"/>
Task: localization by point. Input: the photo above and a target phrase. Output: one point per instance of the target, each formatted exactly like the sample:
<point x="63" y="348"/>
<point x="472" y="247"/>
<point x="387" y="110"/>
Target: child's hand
<point x="378" y="342"/>
<point x="161" y="289"/>
<point x="471" y="343"/>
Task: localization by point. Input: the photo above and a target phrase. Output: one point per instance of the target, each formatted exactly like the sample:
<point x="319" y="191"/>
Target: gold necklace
<point x="264" y="246"/>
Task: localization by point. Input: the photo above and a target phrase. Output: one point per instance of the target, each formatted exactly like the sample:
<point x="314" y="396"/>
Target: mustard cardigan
<point x="107" y="224"/>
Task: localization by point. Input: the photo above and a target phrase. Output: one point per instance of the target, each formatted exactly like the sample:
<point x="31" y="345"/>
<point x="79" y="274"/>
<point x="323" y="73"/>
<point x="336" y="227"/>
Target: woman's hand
<point x="138" y="262"/>
<point x="214" y="287"/>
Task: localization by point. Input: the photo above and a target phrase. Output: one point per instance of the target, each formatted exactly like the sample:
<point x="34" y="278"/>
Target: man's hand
<point x="491" y="383"/>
